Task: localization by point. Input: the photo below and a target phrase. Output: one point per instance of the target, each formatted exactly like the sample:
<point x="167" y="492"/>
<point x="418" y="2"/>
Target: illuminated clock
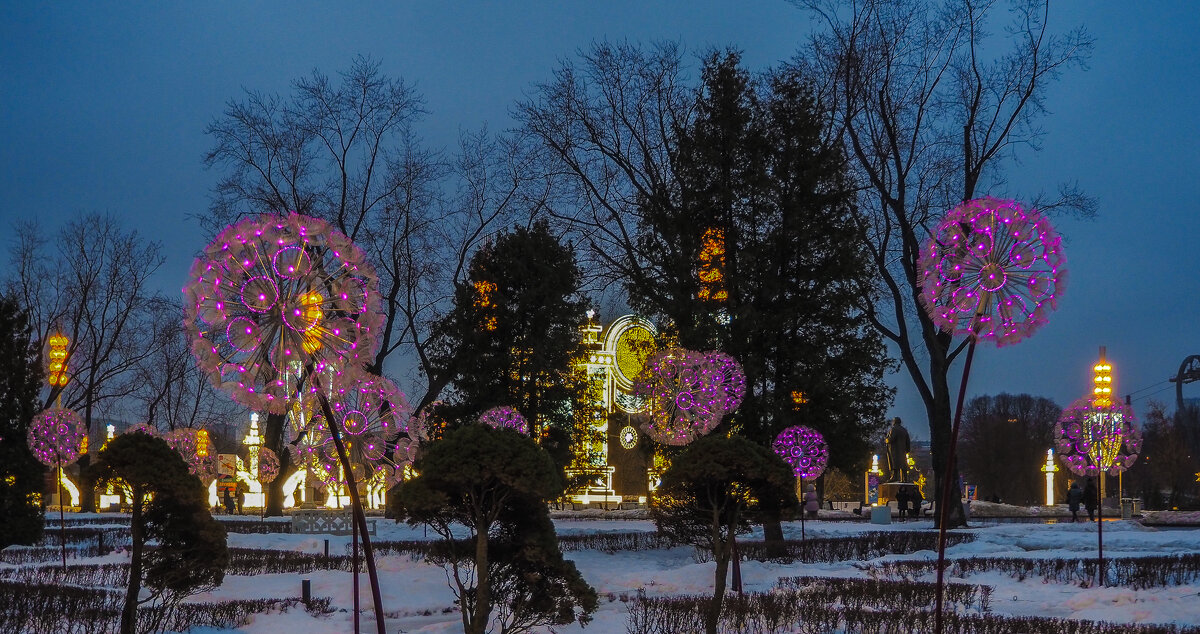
<point x="629" y="437"/>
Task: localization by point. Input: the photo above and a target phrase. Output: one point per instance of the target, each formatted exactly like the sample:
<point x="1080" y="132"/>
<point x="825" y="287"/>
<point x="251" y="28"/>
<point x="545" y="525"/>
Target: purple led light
<point x="688" y="393"/>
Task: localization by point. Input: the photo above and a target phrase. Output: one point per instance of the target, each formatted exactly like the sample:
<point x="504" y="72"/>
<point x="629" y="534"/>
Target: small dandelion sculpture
<point x="991" y="271"/>
<point x="275" y="298"/>
<point x="505" y="417"/>
<point x="272" y="306"/>
<point x="1093" y="438"/>
<point x="688" y="393"/>
<point x="1097" y="437"/>
<point x="55" y="436"/>
<point x="805" y="450"/>
<point x="143" y="428"/>
<point x="183" y="441"/>
<point x="268" y="465"/>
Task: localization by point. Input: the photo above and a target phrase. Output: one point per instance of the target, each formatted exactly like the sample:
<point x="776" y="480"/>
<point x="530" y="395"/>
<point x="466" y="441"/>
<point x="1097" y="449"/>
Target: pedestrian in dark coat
<point x="1074" y="496"/>
<point x="902" y="502"/>
<point x="1091" y="499"/>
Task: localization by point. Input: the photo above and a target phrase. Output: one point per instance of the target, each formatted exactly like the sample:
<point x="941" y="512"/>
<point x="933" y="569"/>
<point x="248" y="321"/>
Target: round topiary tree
<point x="495" y="482"/>
<point x="715" y="489"/>
<point x="169" y="507"/>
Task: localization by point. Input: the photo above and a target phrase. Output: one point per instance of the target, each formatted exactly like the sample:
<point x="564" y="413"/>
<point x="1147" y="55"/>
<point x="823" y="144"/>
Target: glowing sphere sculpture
<point x="275" y="296"/>
<point x="183" y="441"/>
<point x="55" y="435"/>
<point x="368" y="403"/>
<point x="372" y="412"/>
<point x="505" y="417"/>
<point x="1094" y="438"/>
<point x="804" y="449"/>
<point x="688" y="393"/>
<point x="992" y="270"/>
<point x="268" y="465"/>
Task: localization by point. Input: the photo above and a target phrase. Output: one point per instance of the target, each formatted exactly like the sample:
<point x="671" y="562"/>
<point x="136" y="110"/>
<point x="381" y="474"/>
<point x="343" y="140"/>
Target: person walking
<point x="1090" y="499"/>
<point x="902" y="502"/>
<point x="811" y="502"/>
<point x="1074" y="496"/>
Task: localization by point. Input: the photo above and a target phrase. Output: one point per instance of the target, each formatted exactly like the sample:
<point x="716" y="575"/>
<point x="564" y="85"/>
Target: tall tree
<point x="929" y="110"/>
<point x="347" y="152"/>
<point x="21" y="475"/>
<point x="91" y="281"/>
<point x="753" y="250"/>
<point x="513" y="337"/>
<point x="1003" y="445"/>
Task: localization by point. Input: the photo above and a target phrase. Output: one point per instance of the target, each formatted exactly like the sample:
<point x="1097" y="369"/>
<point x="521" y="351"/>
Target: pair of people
<point x="908" y="501"/>
<point x="1088" y="496"/>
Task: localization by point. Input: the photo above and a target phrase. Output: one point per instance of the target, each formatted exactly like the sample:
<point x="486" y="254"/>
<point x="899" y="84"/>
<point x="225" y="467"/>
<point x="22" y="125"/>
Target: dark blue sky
<point x="103" y="108"/>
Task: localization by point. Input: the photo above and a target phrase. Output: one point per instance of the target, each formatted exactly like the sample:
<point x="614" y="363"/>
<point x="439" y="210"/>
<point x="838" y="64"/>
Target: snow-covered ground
<point x="418" y="599"/>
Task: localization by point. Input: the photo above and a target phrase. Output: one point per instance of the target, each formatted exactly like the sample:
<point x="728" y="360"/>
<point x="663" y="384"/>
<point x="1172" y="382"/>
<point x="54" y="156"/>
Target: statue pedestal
<point x="888" y="490"/>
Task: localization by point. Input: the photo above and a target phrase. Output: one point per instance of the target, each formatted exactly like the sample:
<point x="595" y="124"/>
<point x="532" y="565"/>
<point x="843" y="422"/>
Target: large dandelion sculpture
<point x="505" y="417"/>
<point x="688" y="393"/>
<point x="991" y="272"/>
<point x="272" y="306"/>
<point x="55" y="436"/>
<point x="805" y="450"/>
<point x="278" y="298"/>
<point x="1096" y="437"/>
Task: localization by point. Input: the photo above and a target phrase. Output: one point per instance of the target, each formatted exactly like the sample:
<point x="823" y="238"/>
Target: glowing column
<point x="1049" y="468"/>
<point x="253" y="442"/>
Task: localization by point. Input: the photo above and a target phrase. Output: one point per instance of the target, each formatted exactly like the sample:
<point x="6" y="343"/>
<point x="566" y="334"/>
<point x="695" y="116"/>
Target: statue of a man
<point x="897" y="452"/>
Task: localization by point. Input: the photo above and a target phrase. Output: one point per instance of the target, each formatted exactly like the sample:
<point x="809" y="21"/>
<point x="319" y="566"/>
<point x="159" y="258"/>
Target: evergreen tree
<point x="714" y="490"/>
<point x="495" y="483"/>
<point x="512" y="337"/>
<point x="169" y="506"/>
<point x="755" y="253"/>
<point x="21" y="475"/>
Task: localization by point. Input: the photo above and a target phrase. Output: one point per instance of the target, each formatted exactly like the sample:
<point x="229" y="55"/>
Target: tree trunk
<point x="713" y="617"/>
<point x="87" y="485"/>
<point x="129" y="612"/>
<point x="940" y="422"/>
<point x="483" y="591"/>
<point x="273" y="440"/>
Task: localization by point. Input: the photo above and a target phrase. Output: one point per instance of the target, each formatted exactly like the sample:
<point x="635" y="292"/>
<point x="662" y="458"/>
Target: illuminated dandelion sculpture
<point x="185" y="442"/>
<point x="268" y="465"/>
<point x="805" y="450"/>
<point x="991" y="272"/>
<point x="274" y="299"/>
<point x="688" y="393"/>
<point x="272" y="307"/>
<point x="55" y="436"/>
<point x="1096" y="437"/>
<point x="143" y="428"/>
<point x="505" y="417"/>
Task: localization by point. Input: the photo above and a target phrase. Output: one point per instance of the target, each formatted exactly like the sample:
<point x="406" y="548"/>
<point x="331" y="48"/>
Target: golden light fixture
<point x="58" y="360"/>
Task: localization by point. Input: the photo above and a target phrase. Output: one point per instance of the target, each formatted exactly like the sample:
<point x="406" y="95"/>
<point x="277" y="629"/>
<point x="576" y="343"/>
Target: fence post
<point x="327" y="551"/>
<point x="306" y="591"/>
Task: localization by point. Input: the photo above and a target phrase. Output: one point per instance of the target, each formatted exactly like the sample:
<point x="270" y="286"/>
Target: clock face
<point x="633" y="346"/>
<point x="629" y="437"/>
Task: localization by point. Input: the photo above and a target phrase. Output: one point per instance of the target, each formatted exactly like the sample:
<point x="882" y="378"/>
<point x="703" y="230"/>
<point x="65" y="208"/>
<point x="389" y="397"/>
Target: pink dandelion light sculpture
<point x="1093" y="438"/>
<point x="804" y="449"/>
<point x="688" y="393"/>
<point x="505" y="417"/>
<point x="55" y="436"/>
<point x="268" y="465"/>
<point x="272" y="307"/>
<point x="991" y="271"/>
<point x="275" y="297"/>
<point x="183" y="441"/>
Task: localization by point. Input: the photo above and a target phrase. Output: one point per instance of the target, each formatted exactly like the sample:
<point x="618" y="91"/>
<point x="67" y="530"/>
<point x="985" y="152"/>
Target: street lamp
<point x="1049" y="468"/>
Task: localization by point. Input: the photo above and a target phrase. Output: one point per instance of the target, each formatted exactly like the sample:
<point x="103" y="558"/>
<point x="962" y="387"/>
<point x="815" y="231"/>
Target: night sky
<point x="103" y="108"/>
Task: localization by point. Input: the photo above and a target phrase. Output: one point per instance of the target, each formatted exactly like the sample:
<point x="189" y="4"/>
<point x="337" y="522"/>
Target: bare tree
<point x="171" y="391"/>
<point x="605" y="130"/>
<point x="91" y="282"/>
<point x="346" y="152"/>
<point x="930" y="109"/>
<point x="1004" y="443"/>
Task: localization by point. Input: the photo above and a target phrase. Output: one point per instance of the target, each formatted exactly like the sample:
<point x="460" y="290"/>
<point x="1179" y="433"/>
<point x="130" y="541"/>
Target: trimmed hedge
<point x="1132" y="572"/>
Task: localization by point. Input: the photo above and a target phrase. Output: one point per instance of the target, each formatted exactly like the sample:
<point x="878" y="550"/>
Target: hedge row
<point x="794" y="612"/>
<point x="1136" y="573"/>
<point x="69" y="610"/>
<point x="858" y="547"/>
